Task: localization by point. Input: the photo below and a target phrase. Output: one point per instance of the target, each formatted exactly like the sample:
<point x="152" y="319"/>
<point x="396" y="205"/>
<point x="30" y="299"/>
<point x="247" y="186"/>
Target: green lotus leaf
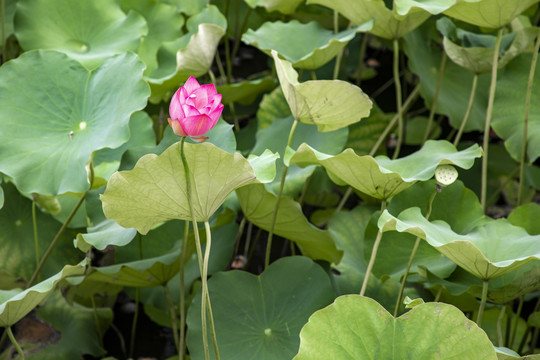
<point x="258" y="207"/>
<point x="264" y="322"/>
<point x="89" y="31"/>
<point x="424" y="58"/>
<point x="509" y="108"/>
<point x="9" y="8"/>
<point x="141" y="273"/>
<point x="190" y="7"/>
<point x="507" y="354"/>
<point x="264" y="166"/>
<point x="72" y="330"/>
<point x="388" y="24"/>
<point x="526" y="216"/>
<point x="364" y="134"/>
<point x="104" y="234"/>
<point x="490" y="250"/>
<point x="475" y="52"/>
<point x="283" y="6"/>
<point x="381" y="177"/>
<point x="245" y="92"/>
<point x="155" y="190"/>
<point x="356" y="327"/>
<point x="190" y="55"/>
<point x="18" y="257"/>
<point x="15" y="304"/>
<point x="273" y="106"/>
<point x="488" y="13"/>
<point x="54" y="113"/>
<point x="329" y="104"/>
<point x="310" y="48"/>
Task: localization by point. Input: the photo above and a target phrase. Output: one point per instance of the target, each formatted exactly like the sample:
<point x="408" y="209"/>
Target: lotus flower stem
<point x="36" y="237"/>
<point x="468" y="111"/>
<point x="435" y="97"/>
<point x="14" y="342"/>
<point x="483" y="300"/>
<point x="172" y="313"/>
<point x="399" y="99"/>
<point x="489" y="116"/>
<point x="526" y="120"/>
<point x="373" y="255"/>
<point x="62" y="229"/>
<point x="185" y="240"/>
<point x="413" y="253"/>
<point x="205" y="276"/>
<point x="205" y="298"/>
<point x="278" y="197"/>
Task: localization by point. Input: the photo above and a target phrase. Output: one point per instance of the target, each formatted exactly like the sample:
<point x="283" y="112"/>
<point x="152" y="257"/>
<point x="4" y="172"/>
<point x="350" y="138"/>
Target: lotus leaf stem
<point x="413" y="253"/>
<point x="205" y="276"/>
<point x="399" y="99"/>
<point x="515" y="322"/>
<point x="483" y="300"/>
<point x="468" y="111"/>
<point x="500" y="339"/>
<point x="14" y="342"/>
<point x="526" y="120"/>
<point x="360" y="68"/>
<point x="489" y="116"/>
<point x="172" y="313"/>
<point x="36" y="237"/>
<point x="185" y="240"/>
<point x="435" y="97"/>
<point x="137" y="299"/>
<point x="373" y="255"/>
<point x="278" y="197"/>
<point x="3" y="29"/>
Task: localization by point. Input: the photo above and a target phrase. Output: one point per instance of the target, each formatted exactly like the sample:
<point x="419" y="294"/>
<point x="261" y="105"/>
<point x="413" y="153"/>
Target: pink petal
<point x="200" y="98"/>
<point x="197" y="125"/>
<point x="210" y="90"/>
<point x="191" y="85"/>
<point x="175" y="109"/>
<point x="190" y="111"/>
<point x="177" y="127"/>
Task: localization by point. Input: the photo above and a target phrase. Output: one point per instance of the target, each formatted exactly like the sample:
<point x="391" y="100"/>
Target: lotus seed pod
<point x="445" y="175"/>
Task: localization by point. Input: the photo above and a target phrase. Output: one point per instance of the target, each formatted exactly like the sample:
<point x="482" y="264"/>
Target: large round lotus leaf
<point x="258" y="206"/>
<point x="475" y="51"/>
<point x="526" y="216"/>
<point x="311" y="47"/>
<point x="488" y="13"/>
<point x="155" y="190"/>
<point x="164" y="24"/>
<point x="357" y="327"/>
<point x="90" y="31"/>
<point x="190" y="55"/>
<point x="388" y="24"/>
<point x="509" y="108"/>
<point x="15" y="304"/>
<point x="104" y="234"/>
<point x="263" y="318"/>
<point x="381" y="177"/>
<point x="424" y="58"/>
<point x="329" y="104"/>
<point x="17" y="249"/>
<point x="54" y="113"/>
<point x="490" y="250"/>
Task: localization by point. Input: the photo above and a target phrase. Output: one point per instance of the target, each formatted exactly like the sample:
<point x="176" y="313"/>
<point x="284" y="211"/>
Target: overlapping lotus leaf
<point x="381" y="177"/>
<point x="264" y="320"/>
<point x="488" y="13"/>
<point x="357" y="327"/>
<point x="15" y="304"/>
<point x="329" y="104"/>
<point x="389" y="24"/>
<point x="490" y="250"/>
<point x="90" y="31"/>
<point x="155" y="190"/>
<point x="245" y="92"/>
<point x="55" y="113"/>
<point x="311" y="47"/>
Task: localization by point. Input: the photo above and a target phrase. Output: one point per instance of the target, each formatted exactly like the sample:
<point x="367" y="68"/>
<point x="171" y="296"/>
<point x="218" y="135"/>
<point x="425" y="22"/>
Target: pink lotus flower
<point x="195" y="109"/>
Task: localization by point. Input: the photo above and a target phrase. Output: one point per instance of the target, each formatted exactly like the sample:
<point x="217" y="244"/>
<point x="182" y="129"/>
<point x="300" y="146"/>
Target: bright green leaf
<point x="264" y="317"/>
<point x="356" y="327"/>
<point x="245" y="92"/>
<point x="88" y="31"/>
<point x="47" y="136"/>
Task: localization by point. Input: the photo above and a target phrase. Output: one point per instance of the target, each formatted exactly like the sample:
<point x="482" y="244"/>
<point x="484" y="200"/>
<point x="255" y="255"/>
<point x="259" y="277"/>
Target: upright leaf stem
<point x="278" y="197"/>
<point x="185" y="238"/>
<point x="14" y="342"/>
<point x="489" y="116"/>
<point x="172" y="314"/>
<point x="526" y="120"/>
<point x="483" y="301"/>
<point x="36" y="238"/>
<point x="399" y="99"/>
<point x="469" y="109"/>
<point x="435" y="97"/>
<point x="373" y="255"/>
<point x="205" y="298"/>
<point x="413" y="253"/>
